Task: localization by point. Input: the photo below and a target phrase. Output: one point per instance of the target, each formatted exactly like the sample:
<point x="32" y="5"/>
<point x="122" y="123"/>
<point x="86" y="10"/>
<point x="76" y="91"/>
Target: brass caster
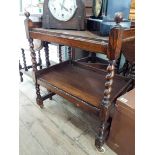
<point x="100" y="149"/>
<point x="99" y="146"/>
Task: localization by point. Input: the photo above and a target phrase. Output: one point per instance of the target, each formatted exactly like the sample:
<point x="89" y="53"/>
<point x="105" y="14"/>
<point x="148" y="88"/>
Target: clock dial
<point x="62" y="10"/>
<point x="97" y="7"/>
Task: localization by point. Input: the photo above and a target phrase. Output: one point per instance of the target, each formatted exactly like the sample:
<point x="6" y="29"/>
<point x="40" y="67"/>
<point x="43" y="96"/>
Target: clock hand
<point x="62" y="4"/>
<point x="63" y="7"/>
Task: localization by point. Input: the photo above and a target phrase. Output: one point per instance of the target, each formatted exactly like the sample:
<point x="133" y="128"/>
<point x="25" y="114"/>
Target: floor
<point x="58" y="129"/>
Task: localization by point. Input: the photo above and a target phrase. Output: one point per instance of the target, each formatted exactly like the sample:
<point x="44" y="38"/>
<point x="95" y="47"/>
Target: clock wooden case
<point x="73" y="17"/>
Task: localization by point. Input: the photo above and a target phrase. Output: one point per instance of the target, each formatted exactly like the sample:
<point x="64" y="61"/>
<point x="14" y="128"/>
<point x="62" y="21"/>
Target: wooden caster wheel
<point x="40" y="103"/>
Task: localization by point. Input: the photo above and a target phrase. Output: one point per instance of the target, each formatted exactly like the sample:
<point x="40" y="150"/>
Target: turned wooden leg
<point x="105" y="108"/>
<point x="70" y="54"/>
<point x="24" y="59"/>
<point x="20" y="73"/>
<point x="34" y="67"/>
<point x="125" y="67"/>
<point x="101" y="137"/>
<point x="39" y="99"/>
<point x="73" y="53"/>
<point x="33" y="56"/>
<point x="117" y="65"/>
<point x="60" y="53"/>
<point x="46" y="49"/>
<point x="39" y="60"/>
<point x="132" y="71"/>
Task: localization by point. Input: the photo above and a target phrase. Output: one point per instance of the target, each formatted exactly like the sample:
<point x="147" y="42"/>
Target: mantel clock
<point x="64" y="14"/>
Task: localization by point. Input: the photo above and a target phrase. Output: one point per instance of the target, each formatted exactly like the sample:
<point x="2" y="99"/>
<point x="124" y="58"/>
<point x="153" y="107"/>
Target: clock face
<point x="97" y="7"/>
<point x="62" y="10"/>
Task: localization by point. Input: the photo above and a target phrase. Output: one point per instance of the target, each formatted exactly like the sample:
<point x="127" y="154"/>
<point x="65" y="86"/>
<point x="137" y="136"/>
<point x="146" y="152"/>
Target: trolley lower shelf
<point x="80" y="81"/>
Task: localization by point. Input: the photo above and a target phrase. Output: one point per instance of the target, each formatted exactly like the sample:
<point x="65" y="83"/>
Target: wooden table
<point x="87" y="87"/>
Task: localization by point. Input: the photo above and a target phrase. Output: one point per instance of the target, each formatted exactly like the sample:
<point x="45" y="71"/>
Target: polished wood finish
<point x="77" y="39"/>
<point x="115" y="43"/>
<point x="88" y="87"/>
<point x="122" y="132"/>
<point x="94" y="61"/>
<point x="80" y="39"/>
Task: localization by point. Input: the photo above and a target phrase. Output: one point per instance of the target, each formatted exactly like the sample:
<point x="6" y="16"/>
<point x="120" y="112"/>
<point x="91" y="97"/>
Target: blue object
<point x="113" y="6"/>
<point x="105" y="26"/>
<point x="102" y="27"/>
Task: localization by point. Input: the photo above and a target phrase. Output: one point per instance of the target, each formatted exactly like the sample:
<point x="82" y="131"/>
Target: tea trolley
<point x="93" y="89"/>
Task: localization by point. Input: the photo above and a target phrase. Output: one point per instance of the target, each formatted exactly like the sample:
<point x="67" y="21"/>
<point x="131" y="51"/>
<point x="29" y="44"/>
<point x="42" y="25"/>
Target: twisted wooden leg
<point x="39" y="60"/>
<point x="46" y="49"/>
<point x="34" y="66"/>
<point x="70" y="54"/>
<point x="117" y="64"/>
<point x="33" y="56"/>
<point x="125" y="68"/>
<point x="132" y="71"/>
<point x="24" y="60"/>
<point x="73" y="53"/>
<point x="60" y="53"/>
<point x="105" y="108"/>
<point x="20" y="73"/>
<point x="102" y="135"/>
<point x="39" y="99"/>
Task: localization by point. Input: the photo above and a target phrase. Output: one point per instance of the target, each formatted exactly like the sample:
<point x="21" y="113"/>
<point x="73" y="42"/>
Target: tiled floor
<point x="58" y="129"/>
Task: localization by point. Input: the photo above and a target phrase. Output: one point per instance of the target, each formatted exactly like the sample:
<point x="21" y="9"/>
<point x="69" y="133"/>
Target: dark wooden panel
<point x="128" y="49"/>
<point x="129" y="33"/>
<point x="84" y="105"/>
<point x="122" y="132"/>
